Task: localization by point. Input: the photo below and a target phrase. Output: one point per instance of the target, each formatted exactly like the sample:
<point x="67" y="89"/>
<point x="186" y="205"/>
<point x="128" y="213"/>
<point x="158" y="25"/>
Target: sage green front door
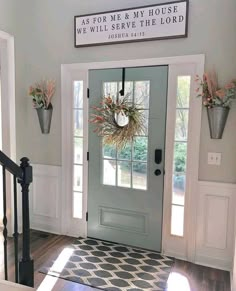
<point x="125" y="190"/>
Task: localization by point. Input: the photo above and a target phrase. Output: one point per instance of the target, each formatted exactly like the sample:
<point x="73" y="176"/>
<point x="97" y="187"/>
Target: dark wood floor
<point x="184" y="276"/>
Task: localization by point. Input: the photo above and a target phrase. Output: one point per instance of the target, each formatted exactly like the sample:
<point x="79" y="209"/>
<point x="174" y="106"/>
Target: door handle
<point x="158" y="156"/>
<point x="157" y="172"/>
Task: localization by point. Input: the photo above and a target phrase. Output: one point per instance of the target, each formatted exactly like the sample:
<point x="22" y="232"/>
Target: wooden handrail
<point x="10" y="166"/>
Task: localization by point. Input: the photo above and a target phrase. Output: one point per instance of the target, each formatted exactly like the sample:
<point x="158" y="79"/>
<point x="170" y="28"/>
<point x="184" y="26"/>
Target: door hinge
<point x="86" y="216"/>
<point x="87" y="92"/>
<point x="87" y="156"/>
<point x="164" y="172"/>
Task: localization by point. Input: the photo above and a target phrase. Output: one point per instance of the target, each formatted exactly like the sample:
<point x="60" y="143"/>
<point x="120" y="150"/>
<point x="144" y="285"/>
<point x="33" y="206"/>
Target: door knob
<point x="157" y="172"/>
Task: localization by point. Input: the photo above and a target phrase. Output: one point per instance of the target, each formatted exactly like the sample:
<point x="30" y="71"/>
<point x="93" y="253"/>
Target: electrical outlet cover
<point x="214" y="159"/>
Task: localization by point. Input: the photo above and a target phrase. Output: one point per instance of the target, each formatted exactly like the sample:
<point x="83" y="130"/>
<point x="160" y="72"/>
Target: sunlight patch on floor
<point x="50" y="281"/>
<point x="177" y="281"/>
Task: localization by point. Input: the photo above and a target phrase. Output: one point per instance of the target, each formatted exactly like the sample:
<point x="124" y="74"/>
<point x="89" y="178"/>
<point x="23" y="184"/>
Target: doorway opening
<point x="179" y="68"/>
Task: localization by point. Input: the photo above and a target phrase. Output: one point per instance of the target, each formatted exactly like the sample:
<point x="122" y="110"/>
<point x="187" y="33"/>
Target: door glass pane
<point x="140" y="149"/>
<point x="110" y="89"/>
<point x="180" y="155"/>
<point x="78" y="150"/>
<point x="118" y="173"/>
<point x="124" y="174"/>
<point x="125" y="153"/>
<point x="178" y="188"/>
<point x="78" y="122"/>
<point x="139" y="176"/>
<point x="78" y="178"/>
<point x="181" y="125"/>
<point x="146" y="121"/>
<point x="183" y="91"/>
<point x="109" y="172"/>
<point x="177" y="220"/>
<point x="78" y="205"/>
<point x="109" y="151"/>
<point x="129" y="90"/>
<point x="78" y="94"/>
<point x="142" y="92"/>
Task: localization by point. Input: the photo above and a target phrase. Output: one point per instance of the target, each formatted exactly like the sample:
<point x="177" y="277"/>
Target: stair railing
<point x="24" y="269"/>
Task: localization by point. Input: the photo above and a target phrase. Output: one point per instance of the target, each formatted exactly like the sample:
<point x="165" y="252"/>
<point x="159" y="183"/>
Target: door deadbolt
<point x="158" y="156"/>
<point x="157" y="172"/>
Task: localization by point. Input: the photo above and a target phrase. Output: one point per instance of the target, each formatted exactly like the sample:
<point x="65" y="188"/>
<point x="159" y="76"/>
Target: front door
<point x="125" y="191"/>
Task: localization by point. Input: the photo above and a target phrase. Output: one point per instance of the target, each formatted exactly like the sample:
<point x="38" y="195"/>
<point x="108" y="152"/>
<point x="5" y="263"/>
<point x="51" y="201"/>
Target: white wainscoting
<point x="233" y="271"/>
<point x="45" y="199"/>
<point x="215" y="225"/>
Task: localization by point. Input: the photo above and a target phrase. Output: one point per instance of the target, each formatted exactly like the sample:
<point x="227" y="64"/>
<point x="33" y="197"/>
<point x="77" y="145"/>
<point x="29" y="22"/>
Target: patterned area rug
<point x="111" y="267"/>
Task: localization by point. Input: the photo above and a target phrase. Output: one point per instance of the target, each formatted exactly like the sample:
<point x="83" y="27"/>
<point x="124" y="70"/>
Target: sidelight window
<point x="180" y="155"/>
<point x="78" y="149"/>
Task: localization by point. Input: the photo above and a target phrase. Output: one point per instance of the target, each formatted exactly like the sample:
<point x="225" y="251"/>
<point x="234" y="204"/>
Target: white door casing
<point x="190" y="65"/>
<point x="182" y="247"/>
<point x="8" y="123"/>
<point x="70" y="225"/>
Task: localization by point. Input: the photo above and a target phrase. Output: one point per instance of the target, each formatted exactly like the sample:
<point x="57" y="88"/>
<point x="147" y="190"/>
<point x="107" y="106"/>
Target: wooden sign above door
<point x="161" y="21"/>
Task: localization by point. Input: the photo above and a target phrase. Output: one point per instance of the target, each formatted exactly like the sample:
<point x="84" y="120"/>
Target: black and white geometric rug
<point x="112" y="267"/>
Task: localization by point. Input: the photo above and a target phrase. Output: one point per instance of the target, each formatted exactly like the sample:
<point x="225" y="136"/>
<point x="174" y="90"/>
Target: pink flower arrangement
<point x="42" y="93"/>
<point x="210" y="92"/>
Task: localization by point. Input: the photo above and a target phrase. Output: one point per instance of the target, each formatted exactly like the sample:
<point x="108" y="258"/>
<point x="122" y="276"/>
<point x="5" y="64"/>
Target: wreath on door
<point x="118" y="121"/>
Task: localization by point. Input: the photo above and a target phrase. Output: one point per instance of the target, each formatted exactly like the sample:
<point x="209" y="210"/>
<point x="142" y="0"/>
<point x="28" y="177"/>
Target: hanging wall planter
<point x="217" y="117"/>
<point x="42" y="94"/>
<point x="217" y="101"/>
<point x="45" y="117"/>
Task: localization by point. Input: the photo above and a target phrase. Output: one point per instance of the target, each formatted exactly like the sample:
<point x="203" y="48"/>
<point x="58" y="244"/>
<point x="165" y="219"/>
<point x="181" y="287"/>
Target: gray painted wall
<point x="6" y="15"/>
<point x="14" y="21"/>
<point x="44" y="41"/>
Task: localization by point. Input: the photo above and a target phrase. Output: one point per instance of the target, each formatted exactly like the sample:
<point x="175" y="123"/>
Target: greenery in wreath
<point x="118" y="121"/>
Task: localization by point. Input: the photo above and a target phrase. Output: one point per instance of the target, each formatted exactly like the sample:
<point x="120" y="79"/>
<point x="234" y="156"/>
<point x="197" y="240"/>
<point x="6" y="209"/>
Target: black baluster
<point x="5" y="221"/>
<point x="16" y="234"/>
<point x="26" y="270"/>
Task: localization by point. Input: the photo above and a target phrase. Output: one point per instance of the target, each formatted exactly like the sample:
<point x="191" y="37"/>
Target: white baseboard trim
<point x="216" y="263"/>
<point x="72" y="234"/>
<point x="45" y="229"/>
<point x="46" y="225"/>
<point x="204" y="261"/>
<point x="175" y="255"/>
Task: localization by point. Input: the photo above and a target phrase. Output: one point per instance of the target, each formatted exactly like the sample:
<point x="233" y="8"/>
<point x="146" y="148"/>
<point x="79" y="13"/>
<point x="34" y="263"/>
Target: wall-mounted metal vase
<point x="45" y="117"/>
<point x="217" y="117"/>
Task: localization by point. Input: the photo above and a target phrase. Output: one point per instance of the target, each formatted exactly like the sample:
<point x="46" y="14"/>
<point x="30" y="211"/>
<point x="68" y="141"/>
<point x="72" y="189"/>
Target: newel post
<point x="26" y="266"/>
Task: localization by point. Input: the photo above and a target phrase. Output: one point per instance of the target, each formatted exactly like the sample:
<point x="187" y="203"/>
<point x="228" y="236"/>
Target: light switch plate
<point x="214" y="159"/>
